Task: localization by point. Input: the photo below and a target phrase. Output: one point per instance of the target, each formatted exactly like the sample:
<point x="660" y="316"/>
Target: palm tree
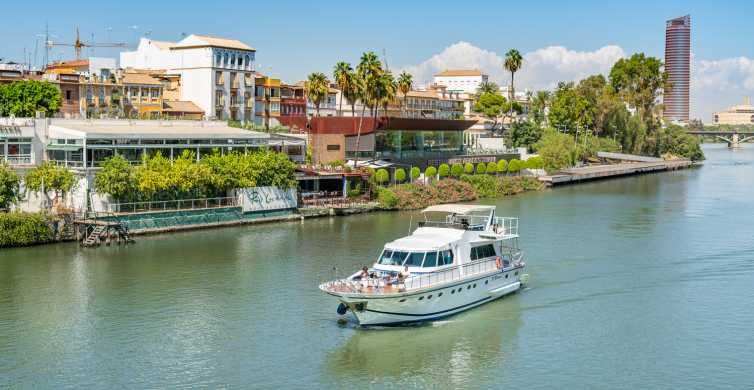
<point x="316" y="87"/>
<point x="367" y="72"/>
<point x="513" y="62"/>
<point x="341" y="74"/>
<point x="405" y="82"/>
<point x="351" y="91"/>
<point x="487" y="87"/>
<point x="387" y="90"/>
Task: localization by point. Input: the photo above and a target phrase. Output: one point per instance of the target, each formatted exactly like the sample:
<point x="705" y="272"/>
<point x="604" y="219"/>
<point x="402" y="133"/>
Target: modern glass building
<point x="678" y="69"/>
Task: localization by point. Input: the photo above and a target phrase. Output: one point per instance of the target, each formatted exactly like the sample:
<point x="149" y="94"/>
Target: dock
<point x="595" y="172"/>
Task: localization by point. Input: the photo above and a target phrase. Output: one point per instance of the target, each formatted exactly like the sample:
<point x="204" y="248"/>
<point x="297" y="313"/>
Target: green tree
<point x="539" y="103"/>
<point x="468" y="168"/>
<point x="492" y="106"/>
<point x="25" y="98"/>
<point x="115" y="178"/>
<point x="50" y="177"/>
<point x="674" y="140"/>
<point x="152" y="176"/>
<point x="557" y="150"/>
<point x="400" y="175"/>
<point x="534" y="162"/>
<point x="481" y="168"/>
<point x="444" y="170"/>
<point x="9" y="186"/>
<point x="639" y="80"/>
<point x="513" y="63"/>
<point x="491" y="168"/>
<point x="367" y="79"/>
<point x="430" y="173"/>
<point x="316" y="88"/>
<point x="342" y="76"/>
<point x="386" y="91"/>
<point x="514" y="166"/>
<point x="382" y="176"/>
<point x="569" y="110"/>
<point x="405" y="82"/>
<point x="502" y="166"/>
<point x="415" y="173"/>
<point x="456" y="170"/>
<point x="525" y="134"/>
<point x="487" y="87"/>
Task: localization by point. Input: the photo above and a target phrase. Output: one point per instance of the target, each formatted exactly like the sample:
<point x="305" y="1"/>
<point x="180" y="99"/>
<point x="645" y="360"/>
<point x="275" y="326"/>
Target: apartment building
<point x="460" y="80"/>
<point x="217" y="74"/>
<point x="266" y="101"/>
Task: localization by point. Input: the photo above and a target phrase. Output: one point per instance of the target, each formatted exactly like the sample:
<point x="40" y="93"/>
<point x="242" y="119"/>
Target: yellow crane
<point x="79" y="44"/>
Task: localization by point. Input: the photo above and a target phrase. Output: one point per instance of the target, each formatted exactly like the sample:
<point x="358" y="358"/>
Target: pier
<point x="595" y="172"/>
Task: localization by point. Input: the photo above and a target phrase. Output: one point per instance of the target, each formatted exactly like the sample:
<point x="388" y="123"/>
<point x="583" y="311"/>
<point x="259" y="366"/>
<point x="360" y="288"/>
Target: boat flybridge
<point x="459" y="257"/>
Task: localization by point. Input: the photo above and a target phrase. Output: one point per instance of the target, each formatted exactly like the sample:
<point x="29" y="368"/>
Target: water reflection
<point x="457" y="352"/>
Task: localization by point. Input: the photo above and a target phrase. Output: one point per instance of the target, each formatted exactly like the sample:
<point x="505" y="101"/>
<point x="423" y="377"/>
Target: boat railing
<point x="505" y="225"/>
<point x="392" y="285"/>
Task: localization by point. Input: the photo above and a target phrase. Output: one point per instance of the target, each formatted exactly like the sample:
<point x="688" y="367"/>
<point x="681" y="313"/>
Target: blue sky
<point x="295" y="38"/>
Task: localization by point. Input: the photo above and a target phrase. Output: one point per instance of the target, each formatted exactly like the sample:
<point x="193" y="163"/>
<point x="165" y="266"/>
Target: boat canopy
<point x="462" y="209"/>
<point x="426" y="239"/>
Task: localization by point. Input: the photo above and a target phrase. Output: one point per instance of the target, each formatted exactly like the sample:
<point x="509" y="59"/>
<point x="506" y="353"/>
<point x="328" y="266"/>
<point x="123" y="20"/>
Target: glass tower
<point x="678" y="68"/>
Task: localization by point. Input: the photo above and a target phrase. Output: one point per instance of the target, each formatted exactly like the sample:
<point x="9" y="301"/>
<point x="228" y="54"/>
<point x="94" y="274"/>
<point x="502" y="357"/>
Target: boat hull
<point x="433" y="303"/>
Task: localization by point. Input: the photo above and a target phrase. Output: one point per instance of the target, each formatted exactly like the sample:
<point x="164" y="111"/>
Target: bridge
<point x="734" y="139"/>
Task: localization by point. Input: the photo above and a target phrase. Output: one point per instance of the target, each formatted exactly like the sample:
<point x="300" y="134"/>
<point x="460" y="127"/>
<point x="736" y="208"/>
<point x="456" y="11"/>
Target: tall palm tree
<point x="487" y="87"/>
<point x="367" y="72"/>
<point x="316" y="87"/>
<point x="351" y="91"/>
<point x="341" y="74"/>
<point x="405" y="82"/>
<point x="387" y="89"/>
<point x="513" y="62"/>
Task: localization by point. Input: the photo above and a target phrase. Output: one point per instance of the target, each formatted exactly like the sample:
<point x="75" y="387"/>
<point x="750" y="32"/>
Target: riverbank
<point x="596" y="172"/>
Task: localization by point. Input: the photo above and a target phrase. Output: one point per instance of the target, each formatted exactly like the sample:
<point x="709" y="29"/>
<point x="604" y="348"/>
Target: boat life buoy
<point x="498" y="262"/>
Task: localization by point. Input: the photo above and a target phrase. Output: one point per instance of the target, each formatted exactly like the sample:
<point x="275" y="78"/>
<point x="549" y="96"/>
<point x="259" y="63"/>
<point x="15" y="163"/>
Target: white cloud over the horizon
<point x="716" y="84"/>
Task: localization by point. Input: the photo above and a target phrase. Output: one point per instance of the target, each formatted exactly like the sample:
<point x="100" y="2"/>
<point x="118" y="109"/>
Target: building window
<point x="226" y="60"/>
<point x="333" y="147"/>
<point x="248" y="61"/>
<point x="68" y="96"/>
<point x="218" y="59"/>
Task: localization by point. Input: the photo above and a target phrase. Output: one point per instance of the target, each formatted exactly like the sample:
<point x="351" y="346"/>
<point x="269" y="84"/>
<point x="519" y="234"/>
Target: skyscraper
<point x="678" y="68"/>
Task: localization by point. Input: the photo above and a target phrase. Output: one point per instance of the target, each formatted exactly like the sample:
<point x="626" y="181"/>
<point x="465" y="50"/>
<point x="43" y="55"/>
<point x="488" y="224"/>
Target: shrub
<point x="415" y="173"/>
<point x="381" y="176"/>
<point x="444" y="170"/>
<point x="400" y="175"/>
<point x="386" y="198"/>
<point x="18" y="229"/>
<point x="481" y="168"/>
<point x="115" y="178"/>
<point x="502" y="166"/>
<point x="468" y="168"/>
<point x="514" y="166"/>
<point x="557" y="150"/>
<point x="534" y="163"/>
<point x="430" y="173"/>
<point x="9" y="186"/>
<point x="456" y="170"/>
<point x="492" y="167"/>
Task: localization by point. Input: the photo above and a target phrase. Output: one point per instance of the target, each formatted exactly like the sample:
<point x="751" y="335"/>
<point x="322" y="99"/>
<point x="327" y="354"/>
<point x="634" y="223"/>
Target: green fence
<point x="185" y="218"/>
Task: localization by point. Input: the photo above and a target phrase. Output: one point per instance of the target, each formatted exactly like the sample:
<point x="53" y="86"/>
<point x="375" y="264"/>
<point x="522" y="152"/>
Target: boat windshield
<point x="416" y="259"/>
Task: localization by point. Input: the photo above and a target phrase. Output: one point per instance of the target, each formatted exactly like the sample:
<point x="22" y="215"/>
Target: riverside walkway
<point x="594" y="172"/>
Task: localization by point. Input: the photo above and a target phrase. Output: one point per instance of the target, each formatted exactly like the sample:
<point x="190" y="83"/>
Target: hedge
<point x="19" y="229"/>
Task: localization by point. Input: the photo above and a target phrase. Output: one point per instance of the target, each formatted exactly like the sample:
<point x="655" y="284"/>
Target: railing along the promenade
<point x="172" y="205"/>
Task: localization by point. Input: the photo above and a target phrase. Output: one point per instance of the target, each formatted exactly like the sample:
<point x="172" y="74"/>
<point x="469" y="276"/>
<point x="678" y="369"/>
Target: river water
<point x="640" y="282"/>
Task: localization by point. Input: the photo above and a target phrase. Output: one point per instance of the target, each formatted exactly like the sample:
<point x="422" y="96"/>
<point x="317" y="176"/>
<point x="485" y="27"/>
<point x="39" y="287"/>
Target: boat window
<point x="414" y="259"/>
<point x="481" y="252"/>
<point x="445" y="258"/>
<point x="392" y="257"/>
<point x="398" y="258"/>
<point x="430" y="260"/>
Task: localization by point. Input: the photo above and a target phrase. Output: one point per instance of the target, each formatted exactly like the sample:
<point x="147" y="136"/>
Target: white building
<point x="217" y="74"/>
<point x="460" y="80"/>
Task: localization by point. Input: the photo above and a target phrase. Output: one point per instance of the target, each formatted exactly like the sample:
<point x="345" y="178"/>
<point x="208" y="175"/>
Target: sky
<point x="560" y="40"/>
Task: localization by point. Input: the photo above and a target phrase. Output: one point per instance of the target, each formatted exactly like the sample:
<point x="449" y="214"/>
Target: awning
<point x="65" y="148"/>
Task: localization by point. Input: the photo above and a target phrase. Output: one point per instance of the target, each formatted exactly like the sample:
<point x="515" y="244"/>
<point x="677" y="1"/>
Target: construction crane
<point x="78" y="45"/>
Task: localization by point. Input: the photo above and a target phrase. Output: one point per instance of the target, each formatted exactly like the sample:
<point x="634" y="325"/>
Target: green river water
<point x="640" y="282"/>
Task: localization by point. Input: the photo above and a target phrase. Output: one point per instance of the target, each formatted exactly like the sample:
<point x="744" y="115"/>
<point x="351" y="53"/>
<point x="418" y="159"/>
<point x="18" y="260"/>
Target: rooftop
<point x="181" y="106"/>
<point x="121" y="129"/>
<point x="459" y="72"/>
<point x="196" y="41"/>
<point x="140" y="78"/>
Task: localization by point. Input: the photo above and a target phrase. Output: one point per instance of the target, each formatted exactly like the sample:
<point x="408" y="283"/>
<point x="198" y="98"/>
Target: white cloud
<point x="715" y="84"/>
<point x="542" y="68"/>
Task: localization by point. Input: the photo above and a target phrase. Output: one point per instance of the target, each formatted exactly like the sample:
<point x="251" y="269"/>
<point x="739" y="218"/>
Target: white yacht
<point x="459" y="257"/>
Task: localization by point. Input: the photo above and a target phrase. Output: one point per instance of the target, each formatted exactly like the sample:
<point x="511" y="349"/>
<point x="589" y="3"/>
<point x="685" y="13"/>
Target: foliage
<point x="481" y="168"/>
<point x="430" y="172"/>
<point x="9" y="186"/>
<point x="589" y="145"/>
<point x="487" y="87"/>
<point x="50" y="177"/>
<point x="400" y="175"/>
<point x="514" y="165"/>
<point x="316" y="88"/>
<point x="468" y="168"/>
<point x="639" y="81"/>
<point x="557" y="150"/>
<point x="115" y="178"/>
<point x="444" y="170"/>
<point x="456" y="170"/>
<point x="675" y="141"/>
<point x="492" y="167"/>
<point x="405" y="82"/>
<point x="386" y="198"/>
<point x="493" y="186"/>
<point x="382" y="176"/>
<point x="18" y="229"/>
<point x="534" y="162"/>
<point x="569" y="110"/>
<point x="502" y="166"/>
<point x="492" y="106"/>
<point x="415" y="173"/>
<point x="25" y="98"/>
<point x="513" y="62"/>
<point x="539" y="103"/>
<point x="415" y="195"/>
<point x="342" y="75"/>
<point x="525" y="134"/>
